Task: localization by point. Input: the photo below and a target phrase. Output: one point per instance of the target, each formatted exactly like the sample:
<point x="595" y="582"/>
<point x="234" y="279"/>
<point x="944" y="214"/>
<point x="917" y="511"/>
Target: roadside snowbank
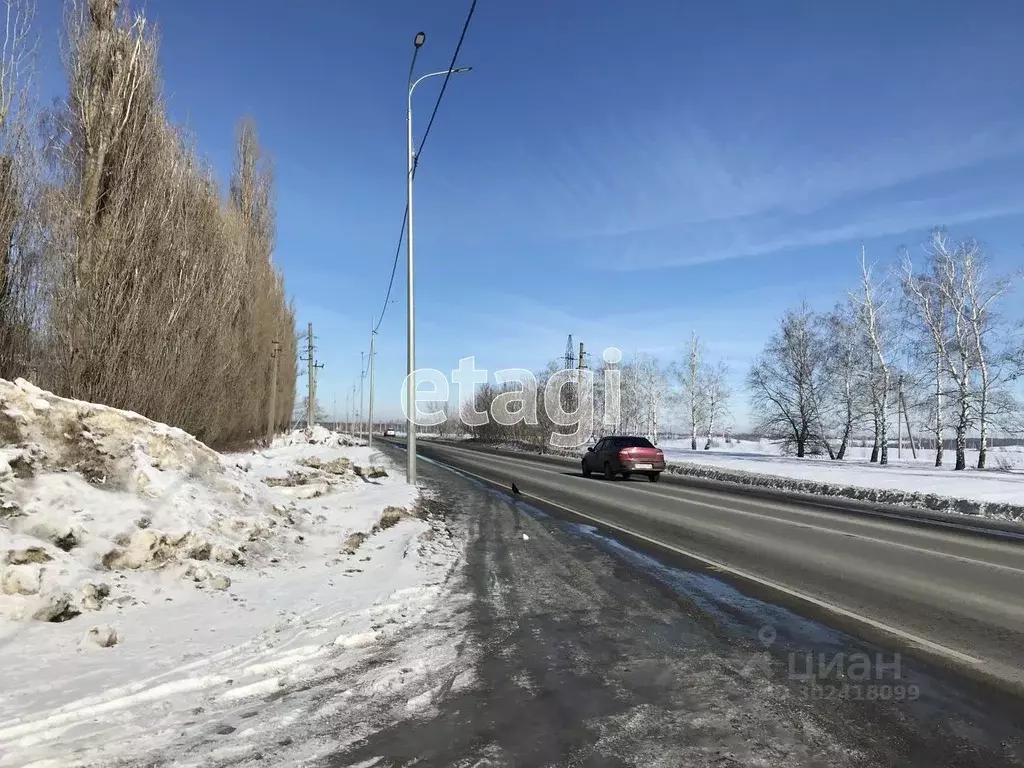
<point x="995" y="493"/>
<point x="156" y="590"/>
<point x="101" y="506"/>
<point x="907" y="482"/>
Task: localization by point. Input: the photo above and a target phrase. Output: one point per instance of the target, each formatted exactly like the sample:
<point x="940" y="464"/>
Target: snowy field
<point x="1002" y="482"/>
<point x="159" y="598"/>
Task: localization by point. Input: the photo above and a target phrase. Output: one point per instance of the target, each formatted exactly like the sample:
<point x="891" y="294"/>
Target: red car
<point x="624" y="456"/>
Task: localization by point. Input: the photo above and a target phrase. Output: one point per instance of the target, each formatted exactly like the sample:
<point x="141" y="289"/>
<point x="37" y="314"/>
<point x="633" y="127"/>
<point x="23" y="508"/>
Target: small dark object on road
<point x="515" y="490"/>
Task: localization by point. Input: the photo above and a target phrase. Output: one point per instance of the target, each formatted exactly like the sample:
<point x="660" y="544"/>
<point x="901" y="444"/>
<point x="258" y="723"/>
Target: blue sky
<point x="620" y="171"/>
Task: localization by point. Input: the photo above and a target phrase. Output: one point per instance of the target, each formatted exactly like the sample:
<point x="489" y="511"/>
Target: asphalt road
<point x="591" y="646"/>
<point x="955" y="597"/>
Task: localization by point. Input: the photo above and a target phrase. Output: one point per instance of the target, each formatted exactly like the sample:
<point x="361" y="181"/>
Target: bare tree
<point x="1015" y="355"/>
<point x="980" y="295"/>
<point x="159" y="297"/>
<point x="688" y="374"/>
<point x="844" y="365"/>
<point x="448" y="426"/>
<point x="926" y="315"/>
<point x="717" y="393"/>
<point x="872" y="304"/>
<point x="16" y="60"/>
<point x="949" y="335"/>
<point x="632" y="407"/>
<point x="643" y="396"/>
<point x="786" y="379"/>
<point x="953" y="300"/>
<point x="19" y="264"/>
<point x="652" y="389"/>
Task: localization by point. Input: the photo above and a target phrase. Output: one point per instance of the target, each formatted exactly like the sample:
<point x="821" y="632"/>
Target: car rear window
<point x="636" y="442"/>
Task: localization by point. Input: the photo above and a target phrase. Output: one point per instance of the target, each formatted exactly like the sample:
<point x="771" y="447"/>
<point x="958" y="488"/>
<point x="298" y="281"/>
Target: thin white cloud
<point x="638" y="175"/>
<point x="748" y="241"/>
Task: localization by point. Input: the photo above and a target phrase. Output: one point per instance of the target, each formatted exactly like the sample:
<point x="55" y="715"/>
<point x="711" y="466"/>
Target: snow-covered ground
<point x="1003" y="482"/>
<point x="160" y="598"/>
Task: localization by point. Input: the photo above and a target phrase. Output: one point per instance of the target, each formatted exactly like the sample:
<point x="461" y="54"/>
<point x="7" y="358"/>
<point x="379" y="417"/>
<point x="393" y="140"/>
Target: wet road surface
<point x="587" y="651"/>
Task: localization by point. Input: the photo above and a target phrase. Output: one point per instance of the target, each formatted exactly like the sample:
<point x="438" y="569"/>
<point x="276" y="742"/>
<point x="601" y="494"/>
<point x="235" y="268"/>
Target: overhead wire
<point x="416" y="155"/>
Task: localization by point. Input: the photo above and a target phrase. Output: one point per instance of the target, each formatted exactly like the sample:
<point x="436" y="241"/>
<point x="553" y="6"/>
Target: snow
<point x="1003" y="484"/>
<point x="154" y="656"/>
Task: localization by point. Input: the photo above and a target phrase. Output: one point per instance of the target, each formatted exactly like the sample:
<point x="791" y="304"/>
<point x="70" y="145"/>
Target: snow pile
<point x="97" y="504"/>
<point x="161" y="598"/>
<point x="319" y="435"/>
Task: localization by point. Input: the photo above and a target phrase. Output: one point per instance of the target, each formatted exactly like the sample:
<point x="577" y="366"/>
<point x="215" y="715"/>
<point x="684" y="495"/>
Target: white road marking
<point x="909" y="637"/>
<point x="808" y="513"/>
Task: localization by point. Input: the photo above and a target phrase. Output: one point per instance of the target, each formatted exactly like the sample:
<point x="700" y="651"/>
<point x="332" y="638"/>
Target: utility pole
<point x="362" y="376"/>
<point x="906" y="416"/>
<point x="899" y="416"/>
<point x="316" y="366"/>
<point x="369" y="422"/>
<point x="272" y="410"/>
<point x="580" y="365"/>
<point x="570" y="363"/>
<point x="309" y="377"/>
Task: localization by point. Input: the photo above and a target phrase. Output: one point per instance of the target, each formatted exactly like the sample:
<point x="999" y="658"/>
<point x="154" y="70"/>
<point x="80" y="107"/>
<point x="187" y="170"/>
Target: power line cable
<point x="444" y="85"/>
<point x="416" y="155"/>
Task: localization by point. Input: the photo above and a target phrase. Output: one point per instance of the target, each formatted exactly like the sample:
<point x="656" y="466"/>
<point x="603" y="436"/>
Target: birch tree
<point x="785" y="380"/>
<point x="954" y="300"/>
<point x="717" y="394"/>
<point x="652" y="386"/>
<point x="980" y="294"/>
<point x="644" y="393"/>
<point x="926" y="315"/>
<point x="688" y="374"/>
<point x="872" y="303"/>
<point x="934" y="296"/>
<point x="844" y="370"/>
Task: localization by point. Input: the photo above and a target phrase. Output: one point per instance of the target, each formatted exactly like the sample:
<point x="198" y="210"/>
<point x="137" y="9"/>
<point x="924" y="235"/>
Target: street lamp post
<point x="410" y="407"/>
<point x="369" y="420"/>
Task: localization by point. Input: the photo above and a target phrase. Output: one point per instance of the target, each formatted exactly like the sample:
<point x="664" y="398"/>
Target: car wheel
<point x="626" y="475"/>
<point x="586" y="469"/>
<point x="654" y="476"/>
<point x="609" y="473"/>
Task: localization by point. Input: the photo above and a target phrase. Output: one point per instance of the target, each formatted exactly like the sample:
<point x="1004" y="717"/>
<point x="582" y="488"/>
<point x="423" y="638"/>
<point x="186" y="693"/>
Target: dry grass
<point x="391" y="516"/>
<point x="353" y="543"/>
